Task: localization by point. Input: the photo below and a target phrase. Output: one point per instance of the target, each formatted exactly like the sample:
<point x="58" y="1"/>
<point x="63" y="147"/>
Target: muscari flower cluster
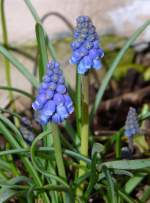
<point x="131" y="124"/>
<point x="85" y="47"/>
<point x="52" y="102"/>
<point x="26" y="130"/>
<point x="27" y="134"/>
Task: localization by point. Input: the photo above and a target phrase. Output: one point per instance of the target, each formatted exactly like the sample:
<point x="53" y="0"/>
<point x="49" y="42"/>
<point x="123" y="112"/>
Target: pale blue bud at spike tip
<point x="131" y="124"/>
<point x="52" y="102"/>
<point x="86" y="50"/>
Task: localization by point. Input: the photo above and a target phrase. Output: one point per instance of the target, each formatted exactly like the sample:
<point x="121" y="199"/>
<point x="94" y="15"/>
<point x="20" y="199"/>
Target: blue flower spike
<point x="131" y="124"/>
<point x="52" y="104"/>
<point x="86" y="50"/>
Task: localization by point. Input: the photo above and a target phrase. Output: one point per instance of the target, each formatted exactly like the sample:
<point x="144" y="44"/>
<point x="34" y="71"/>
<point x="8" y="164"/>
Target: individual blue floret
<point x="52" y="102"/>
<point x="86" y="51"/>
<point x="131" y="124"/>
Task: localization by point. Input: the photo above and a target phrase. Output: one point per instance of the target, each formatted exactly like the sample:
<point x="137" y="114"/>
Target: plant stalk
<point x="5" y="41"/>
<point x="6" y="62"/>
<point x="58" y="154"/>
<point x="84" y="127"/>
<point x="78" y="109"/>
<point x="78" y="102"/>
<point x="85" y="117"/>
<point x="118" y="145"/>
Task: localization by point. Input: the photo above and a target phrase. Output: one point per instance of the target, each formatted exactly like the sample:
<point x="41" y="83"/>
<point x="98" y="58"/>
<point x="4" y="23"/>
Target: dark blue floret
<point x="27" y="134"/>
<point x="52" y="102"/>
<point x="86" y="51"/>
<point x="131" y="125"/>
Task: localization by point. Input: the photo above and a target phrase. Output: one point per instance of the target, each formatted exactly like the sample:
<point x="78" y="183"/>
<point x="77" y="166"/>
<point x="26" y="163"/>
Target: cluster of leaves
<point x="37" y="178"/>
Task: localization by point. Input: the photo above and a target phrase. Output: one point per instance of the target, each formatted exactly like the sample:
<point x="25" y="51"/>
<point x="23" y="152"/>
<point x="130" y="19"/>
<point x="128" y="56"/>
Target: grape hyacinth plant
<point x="131" y="124"/>
<point x="131" y="127"/>
<point x="86" y="54"/>
<point x="62" y="160"/>
<point x="52" y="104"/>
<point x="86" y="50"/>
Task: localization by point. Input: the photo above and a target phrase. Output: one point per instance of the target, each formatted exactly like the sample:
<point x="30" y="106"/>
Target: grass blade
<point x="6" y="194"/>
<point x="9" y="137"/>
<point x="42" y="171"/>
<point x="14" y="151"/>
<point x="48" y="151"/>
<point x="5" y="40"/>
<point x="127" y="164"/>
<point x="5" y="166"/>
<point x="110" y="187"/>
<point x="93" y="177"/>
<point x="42" y="49"/>
<point x="21" y="68"/>
<point x="17" y="90"/>
<point x="10" y="125"/>
<point x="146" y="195"/>
<point x="38" y="20"/>
<point x="16" y="180"/>
<point x="32" y="10"/>
<point x="126" y="197"/>
<point x="132" y="183"/>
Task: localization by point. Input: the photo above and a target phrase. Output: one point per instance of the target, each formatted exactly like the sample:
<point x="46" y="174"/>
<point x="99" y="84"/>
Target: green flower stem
<point x="6" y="62"/>
<point x="25" y="160"/>
<point x="85" y="116"/>
<point x="84" y="126"/>
<point x="130" y="144"/>
<point x="5" y="41"/>
<point x="78" y="104"/>
<point x="58" y="154"/>
<point x="118" y="145"/>
<point x="48" y="142"/>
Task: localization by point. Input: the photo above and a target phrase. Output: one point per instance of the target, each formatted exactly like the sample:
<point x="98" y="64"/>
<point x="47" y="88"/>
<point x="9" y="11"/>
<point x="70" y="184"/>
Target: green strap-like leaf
<point x="6" y="194"/>
<point x="42" y="171"/>
<point x="126" y="197"/>
<point x="4" y="165"/>
<point x="127" y="164"/>
<point x="132" y="183"/>
<point x="9" y="137"/>
<point x="113" y="198"/>
<point x="6" y="88"/>
<point x="43" y="59"/>
<point x="18" y="135"/>
<point x="93" y="176"/>
<point x="38" y="20"/>
<point x="21" y="68"/>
